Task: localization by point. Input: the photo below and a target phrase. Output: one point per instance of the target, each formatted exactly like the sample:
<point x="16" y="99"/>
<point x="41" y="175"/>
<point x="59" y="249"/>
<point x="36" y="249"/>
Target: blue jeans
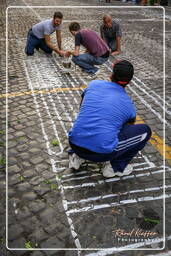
<point x="35" y="43"/>
<point x="87" y="61"/>
<point x="132" y="138"/>
<point x="111" y="42"/>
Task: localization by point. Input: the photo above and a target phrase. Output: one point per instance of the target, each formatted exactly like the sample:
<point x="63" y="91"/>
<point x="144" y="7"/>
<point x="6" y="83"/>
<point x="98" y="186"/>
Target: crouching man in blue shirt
<point x="104" y="130"/>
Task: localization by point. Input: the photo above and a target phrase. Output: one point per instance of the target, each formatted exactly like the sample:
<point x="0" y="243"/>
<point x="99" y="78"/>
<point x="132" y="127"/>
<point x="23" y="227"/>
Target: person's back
<point x="105" y="108"/>
<point x="105" y="128"/>
<point x="93" y="43"/>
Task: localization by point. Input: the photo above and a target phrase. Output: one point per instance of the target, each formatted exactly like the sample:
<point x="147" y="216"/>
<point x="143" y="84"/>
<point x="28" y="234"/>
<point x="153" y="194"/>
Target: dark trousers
<point x="111" y="42"/>
<point x="35" y="43"/>
<point x="132" y="138"/>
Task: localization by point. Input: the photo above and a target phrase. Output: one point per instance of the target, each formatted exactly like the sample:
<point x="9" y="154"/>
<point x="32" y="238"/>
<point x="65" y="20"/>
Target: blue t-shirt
<point x="105" y="108"/>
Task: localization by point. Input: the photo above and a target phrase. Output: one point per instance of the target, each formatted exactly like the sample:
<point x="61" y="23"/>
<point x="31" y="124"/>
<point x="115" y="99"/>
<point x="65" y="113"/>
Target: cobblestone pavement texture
<point x="48" y="205"/>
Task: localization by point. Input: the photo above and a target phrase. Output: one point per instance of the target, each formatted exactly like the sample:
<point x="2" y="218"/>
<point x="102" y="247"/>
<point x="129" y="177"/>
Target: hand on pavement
<point x="61" y="53"/>
<point x="115" y="53"/>
<point x="67" y="54"/>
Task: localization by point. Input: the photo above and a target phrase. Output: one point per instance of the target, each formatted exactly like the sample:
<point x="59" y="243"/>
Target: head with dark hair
<point x="58" y="15"/>
<point x="74" y="27"/>
<point x="123" y="72"/>
<point x="57" y="18"/>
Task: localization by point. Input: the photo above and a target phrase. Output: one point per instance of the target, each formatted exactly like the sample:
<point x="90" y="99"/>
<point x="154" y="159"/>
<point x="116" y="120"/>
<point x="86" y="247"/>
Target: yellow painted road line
<point x="44" y="91"/>
<point x="155" y="140"/>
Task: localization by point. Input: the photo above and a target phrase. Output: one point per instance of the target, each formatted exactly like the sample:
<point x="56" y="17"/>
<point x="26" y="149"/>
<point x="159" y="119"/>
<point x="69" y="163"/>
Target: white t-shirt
<point x="45" y="28"/>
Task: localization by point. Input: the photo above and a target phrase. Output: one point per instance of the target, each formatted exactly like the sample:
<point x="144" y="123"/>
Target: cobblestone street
<point x="52" y="210"/>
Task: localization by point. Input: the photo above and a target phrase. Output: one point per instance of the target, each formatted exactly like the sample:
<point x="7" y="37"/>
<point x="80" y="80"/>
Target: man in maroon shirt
<point x="97" y="51"/>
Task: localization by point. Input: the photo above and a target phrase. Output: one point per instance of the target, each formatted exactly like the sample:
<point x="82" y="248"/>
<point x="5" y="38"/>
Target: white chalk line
<point x="52" y="122"/>
<point x="74" y="234"/>
<point x="114" y="250"/>
<point x="89" y="176"/>
<point x="122" y="202"/>
<point x="72" y="230"/>
<point x="99" y="182"/>
<point x="90" y="199"/>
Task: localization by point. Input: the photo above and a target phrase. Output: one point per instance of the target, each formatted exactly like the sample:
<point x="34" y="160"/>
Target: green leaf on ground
<point x="21" y="178"/>
<point x="47" y="181"/>
<point x="55" y="143"/>
<point x="28" y="245"/>
<point x="152" y="221"/>
<point x="53" y="186"/>
<point x="2" y="161"/>
<point x="2" y="144"/>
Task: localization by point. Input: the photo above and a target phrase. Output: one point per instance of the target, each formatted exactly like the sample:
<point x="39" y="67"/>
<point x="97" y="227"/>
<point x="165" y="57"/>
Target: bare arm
<point x="118" y="43"/>
<point x="52" y="46"/>
<point x="58" y="38"/>
<point x="118" y="46"/>
<point x="76" y="52"/>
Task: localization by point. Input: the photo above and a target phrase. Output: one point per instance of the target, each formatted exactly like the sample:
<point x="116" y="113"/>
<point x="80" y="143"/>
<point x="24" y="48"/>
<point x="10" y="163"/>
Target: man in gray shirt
<point x="111" y="33"/>
<point x="39" y="36"/>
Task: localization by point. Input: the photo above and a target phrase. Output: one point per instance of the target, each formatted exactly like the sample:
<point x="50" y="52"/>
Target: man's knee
<point x="49" y="51"/>
<point x="75" y="59"/>
<point x="147" y="131"/>
<point x="29" y="52"/>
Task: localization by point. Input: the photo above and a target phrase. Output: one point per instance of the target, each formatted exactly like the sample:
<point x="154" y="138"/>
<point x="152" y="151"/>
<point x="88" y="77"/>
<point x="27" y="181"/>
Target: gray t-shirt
<point x="112" y="32"/>
<point x="44" y="28"/>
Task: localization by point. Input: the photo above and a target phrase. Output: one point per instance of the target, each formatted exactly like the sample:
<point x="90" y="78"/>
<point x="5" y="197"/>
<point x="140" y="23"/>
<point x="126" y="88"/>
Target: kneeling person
<point x="97" y="51"/>
<point x="104" y="130"/>
<point x="39" y="36"/>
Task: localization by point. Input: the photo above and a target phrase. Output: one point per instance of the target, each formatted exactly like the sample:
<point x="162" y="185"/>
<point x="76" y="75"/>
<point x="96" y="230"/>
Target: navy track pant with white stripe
<point x="132" y="138"/>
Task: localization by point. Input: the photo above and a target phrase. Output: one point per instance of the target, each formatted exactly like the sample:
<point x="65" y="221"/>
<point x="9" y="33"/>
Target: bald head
<point x="107" y="20"/>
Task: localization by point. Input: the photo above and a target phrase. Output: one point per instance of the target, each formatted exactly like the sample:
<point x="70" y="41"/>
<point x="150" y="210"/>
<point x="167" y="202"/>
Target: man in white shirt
<point x="39" y="36"/>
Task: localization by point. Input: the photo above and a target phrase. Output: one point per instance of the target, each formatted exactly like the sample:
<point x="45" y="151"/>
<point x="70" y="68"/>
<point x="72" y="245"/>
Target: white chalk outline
<point x="92" y="7"/>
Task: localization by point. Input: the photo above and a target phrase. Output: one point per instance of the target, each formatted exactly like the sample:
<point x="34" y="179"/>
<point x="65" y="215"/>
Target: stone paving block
<point x="53" y="242"/>
<point x="41" y="167"/>
<point x="24" y="156"/>
<point x="42" y="189"/>
<point x="36" y="160"/>
<point x="12" y="160"/>
<point x="36" y="206"/>
<point x="14" y="231"/>
<point x="48" y="216"/>
<point x="18" y="244"/>
<point x="29" y="196"/>
<point x="14" y="179"/>
<point x="14" y="169"/>
<point x="23" y="213"/>
<point x="36" y="180"/>
<point x="22" y="148"/>
<point x="37" y="253"/>
<point x="38" y="235"/>
<point x="29" y="173"/>
<point x="24" y="186"/>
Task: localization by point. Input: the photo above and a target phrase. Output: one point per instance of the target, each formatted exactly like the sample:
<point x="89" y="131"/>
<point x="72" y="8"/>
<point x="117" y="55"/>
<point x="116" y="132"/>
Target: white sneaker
<point x="108" y="171"/>
<point x="126" y="171"/>
<point x="75" y="161"/>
